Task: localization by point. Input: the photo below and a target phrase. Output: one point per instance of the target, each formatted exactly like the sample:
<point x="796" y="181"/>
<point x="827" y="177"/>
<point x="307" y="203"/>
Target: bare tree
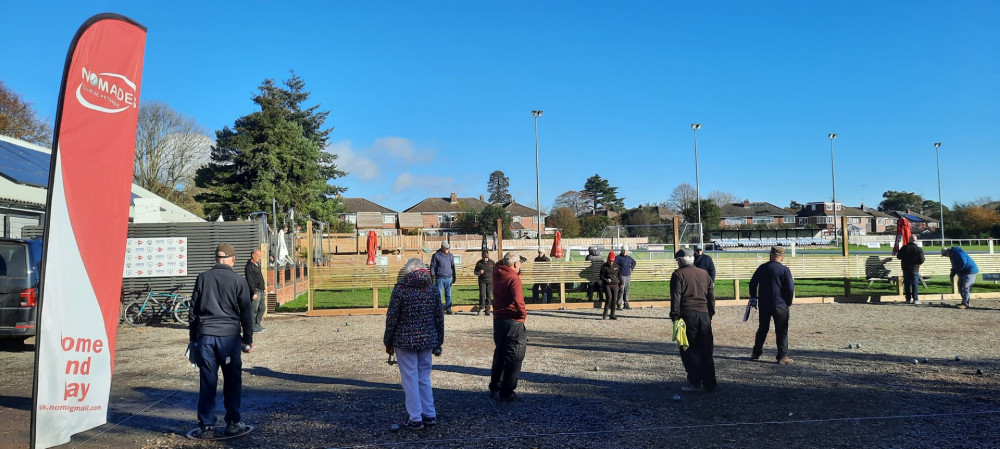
<point x="19" y="120"/>
<point x="681" y="197"/>
<point x="579" y="201"/>
<point x="169" y="147"/>
<point x="721" y="198"/>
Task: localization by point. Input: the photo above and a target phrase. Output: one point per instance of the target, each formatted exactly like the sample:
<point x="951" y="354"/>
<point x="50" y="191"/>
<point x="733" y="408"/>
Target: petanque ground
<point x="915" y="376"/>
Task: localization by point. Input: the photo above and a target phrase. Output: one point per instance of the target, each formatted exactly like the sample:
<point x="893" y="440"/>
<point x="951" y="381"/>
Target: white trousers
<point x="415" y="373"/>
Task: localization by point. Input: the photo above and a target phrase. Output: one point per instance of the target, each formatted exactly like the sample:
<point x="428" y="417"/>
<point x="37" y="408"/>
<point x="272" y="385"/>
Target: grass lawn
<point x="638" y="291"/>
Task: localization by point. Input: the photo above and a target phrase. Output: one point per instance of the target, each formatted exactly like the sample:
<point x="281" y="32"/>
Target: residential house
<point x="366" y="215"/>
<point x="918" y="223"/>
<point x="524" y="220"/>
<point x="438" y="215"/>
<point x="821" y="214"/>
<point x="879" y="221"/>
<point x="757" y="213"/>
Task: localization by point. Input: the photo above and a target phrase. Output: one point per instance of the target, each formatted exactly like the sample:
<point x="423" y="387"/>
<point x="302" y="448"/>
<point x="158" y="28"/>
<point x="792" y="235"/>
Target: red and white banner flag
<point x="90" y="182"/>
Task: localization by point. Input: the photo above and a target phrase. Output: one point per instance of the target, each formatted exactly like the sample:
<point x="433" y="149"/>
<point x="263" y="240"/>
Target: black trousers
<point x="485" y="295"/>
<point x="697" y="358"/>
<point x="511" y="341"/>
<point x="611" y="291"/>
<point x="595" y="287"/>
<point x="780" y="317"/>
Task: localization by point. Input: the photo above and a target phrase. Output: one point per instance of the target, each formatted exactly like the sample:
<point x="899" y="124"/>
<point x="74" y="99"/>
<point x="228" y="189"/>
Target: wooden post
<point x="899" y="285"/>
<point x="677" y="234"/>
<point x="309" y="257"/>
<point x="499" y="239"/>
<point x="843" y="231"/>
<point x="374" y="297"/>
<point x="847" y="286"/>
<point x="562" y="292"/>
<point x="954" y="285"/>
<point x="736" y="288"/>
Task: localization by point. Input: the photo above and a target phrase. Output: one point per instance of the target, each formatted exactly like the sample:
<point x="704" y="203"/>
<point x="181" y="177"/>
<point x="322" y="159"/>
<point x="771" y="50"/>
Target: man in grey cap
<point x="220" y="308"/>
<point x="692" y="298"/>
<point x="443" y="272"/>
<point x="773" y="288"/>
<point x="703" y="261"/>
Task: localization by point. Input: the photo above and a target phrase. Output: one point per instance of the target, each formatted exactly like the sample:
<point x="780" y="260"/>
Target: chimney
<point x="454" y="198"/>
<point x="481" y="198"/>
<point x="746" y="202"/>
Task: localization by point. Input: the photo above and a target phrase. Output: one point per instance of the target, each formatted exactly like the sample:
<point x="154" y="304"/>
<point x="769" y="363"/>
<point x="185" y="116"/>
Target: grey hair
<point x="414" y="264"/>
<point x="510" y="259"/>
<point x="445" y="245"/>
<point x="685" y="261"/>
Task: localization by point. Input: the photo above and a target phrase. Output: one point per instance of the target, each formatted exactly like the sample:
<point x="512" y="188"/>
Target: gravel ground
<point x="586" y="383"/>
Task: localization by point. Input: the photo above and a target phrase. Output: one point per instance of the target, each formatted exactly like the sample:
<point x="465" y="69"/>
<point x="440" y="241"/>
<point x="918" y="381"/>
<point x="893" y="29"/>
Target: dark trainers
<point x="692" y="388"/>
<point x="429" y="420"/>
<point x="207" y="433"/>
<point x="784" y="360"/>
<point x="511" y="398"/>
<point x="235" y="427"/>
<point x="408" y="425"/>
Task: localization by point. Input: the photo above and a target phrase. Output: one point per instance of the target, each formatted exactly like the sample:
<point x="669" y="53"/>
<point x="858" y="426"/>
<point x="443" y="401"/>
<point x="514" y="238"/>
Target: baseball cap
<point x="684" y="252"/>
<point x="698" y="248"/>
<point x="225" y="250"/>
<point x="777" y="251"/>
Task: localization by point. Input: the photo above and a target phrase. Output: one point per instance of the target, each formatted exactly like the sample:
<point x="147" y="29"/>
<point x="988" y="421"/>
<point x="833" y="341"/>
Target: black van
<point x="19" y="278"/>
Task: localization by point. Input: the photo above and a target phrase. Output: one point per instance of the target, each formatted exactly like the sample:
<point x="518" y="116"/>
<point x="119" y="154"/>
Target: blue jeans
<point x="911" y="283"/>
<point x="213" y="353"/>
<point x="444" y="286"/>
<point x="965" y="282"/>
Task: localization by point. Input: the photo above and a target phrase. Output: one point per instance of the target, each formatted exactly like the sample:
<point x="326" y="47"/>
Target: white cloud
<point x="426" y="183"/>
<point x="386" y="154"/>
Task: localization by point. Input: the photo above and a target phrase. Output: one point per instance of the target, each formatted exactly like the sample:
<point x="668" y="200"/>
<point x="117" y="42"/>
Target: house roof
<point x="514" y="208"/>
<point x="355" y="205"/>
<point x="368" y="220"/>
<point x="444" y="204"/>
<point x="877" y="213"/>
<point x="748" y="209"/>
<point x="913" y="216"/>
<point x="844" y="211"/>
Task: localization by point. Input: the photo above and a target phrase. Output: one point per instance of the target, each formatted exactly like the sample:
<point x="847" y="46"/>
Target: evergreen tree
<point x="498" y="186"/>
<point x="277" y="152"/>
<point x="484" y="222"/>
<point x="601" y="192"/>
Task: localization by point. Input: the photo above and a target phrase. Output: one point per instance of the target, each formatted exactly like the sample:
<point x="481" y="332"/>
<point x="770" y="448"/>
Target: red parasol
<point x="372" y="246"/>
<point x="557" y="250"/>
<point x="902" y="234"/>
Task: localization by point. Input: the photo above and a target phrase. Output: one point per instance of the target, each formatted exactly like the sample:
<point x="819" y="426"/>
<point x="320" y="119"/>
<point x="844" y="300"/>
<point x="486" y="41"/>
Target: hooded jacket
<point x="961" y="263"/>
<point x="414" y="320"/>
<point x="910" y="257"/>
<point x="593" y="255"/>
<point x="611" y="273"/>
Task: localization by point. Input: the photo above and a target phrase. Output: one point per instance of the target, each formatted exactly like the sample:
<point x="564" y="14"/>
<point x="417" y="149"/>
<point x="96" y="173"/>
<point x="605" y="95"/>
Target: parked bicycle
<point x="157" y="304"/>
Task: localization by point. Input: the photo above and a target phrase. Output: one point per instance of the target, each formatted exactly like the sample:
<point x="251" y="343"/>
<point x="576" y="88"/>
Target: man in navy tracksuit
<point x="627" y="263"/>
<point x="220" y="308"/>
<point x="773" y="288"/>
<point x="443" y="273"/>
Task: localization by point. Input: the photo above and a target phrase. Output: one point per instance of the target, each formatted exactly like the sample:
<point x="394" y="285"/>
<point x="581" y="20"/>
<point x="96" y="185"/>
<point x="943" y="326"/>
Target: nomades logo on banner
<point x="86" y="224"/>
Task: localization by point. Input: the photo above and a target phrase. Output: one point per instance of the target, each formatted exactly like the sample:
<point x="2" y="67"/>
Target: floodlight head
<point x="937" y="144"/>
<point x="695" y="126"/>
<point x="536" y="113"/>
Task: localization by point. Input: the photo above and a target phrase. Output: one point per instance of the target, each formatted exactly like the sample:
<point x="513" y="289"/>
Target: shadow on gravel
<point x="16" y="402"/>
<point x="309" y="379"/>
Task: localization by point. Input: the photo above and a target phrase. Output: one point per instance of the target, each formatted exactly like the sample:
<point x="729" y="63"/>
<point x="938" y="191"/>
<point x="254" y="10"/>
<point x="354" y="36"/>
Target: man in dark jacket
<point x="593" y="255"/>
<point x="692" y="298"/>
<point x="509" y="335"/>
<point x="255" y="279"/>
<point x="540" y="288"/>
<point x="773" y="288"/>
<point x="443" y="272"/>
<point x="703" y="261"/>
<point x="484" y="269"/>
<point x="611" y="276"/>
<point x="911" y="256"/>
<point x="220" y="308"/>
<point x="627" y="264"/>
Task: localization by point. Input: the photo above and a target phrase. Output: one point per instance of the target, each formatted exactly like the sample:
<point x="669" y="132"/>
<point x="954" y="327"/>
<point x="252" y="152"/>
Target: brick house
<point x="820" y="214"/>
<point x="524" y="220"/>
<point x="919" y="223"/>
<point x="366" y="215"/>
<point x="438" y="215"/>
<point x="756" y="213"/>
<point x="879" y="221"/>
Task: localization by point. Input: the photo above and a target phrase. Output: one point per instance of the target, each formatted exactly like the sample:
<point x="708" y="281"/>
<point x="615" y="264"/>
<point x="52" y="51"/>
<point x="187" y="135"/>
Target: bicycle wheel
<point x="138" y="314"/>
<point x="181" y="309"/>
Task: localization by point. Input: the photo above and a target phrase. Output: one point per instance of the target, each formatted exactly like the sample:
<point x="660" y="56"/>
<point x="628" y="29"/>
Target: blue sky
<point x="429" y="98"/>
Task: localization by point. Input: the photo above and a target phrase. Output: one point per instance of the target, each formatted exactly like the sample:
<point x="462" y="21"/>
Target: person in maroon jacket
<point x="509" y="335"/>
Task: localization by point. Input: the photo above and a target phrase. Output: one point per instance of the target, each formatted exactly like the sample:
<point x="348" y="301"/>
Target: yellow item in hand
<point x="680" y="334"/>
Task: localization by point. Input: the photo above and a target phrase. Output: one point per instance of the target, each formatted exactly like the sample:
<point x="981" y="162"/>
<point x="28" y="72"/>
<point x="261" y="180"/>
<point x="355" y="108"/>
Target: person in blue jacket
<point x="966" y="269"/>
<point x="443" y="273"/>
<point x="627" y="264"/>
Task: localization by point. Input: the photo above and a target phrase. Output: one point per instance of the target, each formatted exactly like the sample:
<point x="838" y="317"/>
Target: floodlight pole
<point x="833" y="174"/>
<point x="538" y="195"/>
<point x="697" y="183"/>
<point x="937" y="157"/>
